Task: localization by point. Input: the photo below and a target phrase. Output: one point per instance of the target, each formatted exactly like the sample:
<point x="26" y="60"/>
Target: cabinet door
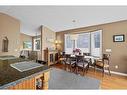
<point x="27" y="84"/>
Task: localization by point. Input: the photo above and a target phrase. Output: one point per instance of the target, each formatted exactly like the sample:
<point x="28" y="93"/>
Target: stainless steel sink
<point x="26" y="65"/>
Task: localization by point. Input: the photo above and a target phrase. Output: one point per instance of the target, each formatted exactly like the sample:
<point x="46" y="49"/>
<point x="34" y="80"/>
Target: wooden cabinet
<point x="31" y="84"/>
<point x="51" y="57"/>
<point x="26" y="84"/>
<point x="43" y="79"/>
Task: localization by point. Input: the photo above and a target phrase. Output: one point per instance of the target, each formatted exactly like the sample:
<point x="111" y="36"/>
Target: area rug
<point x="60" y="79"/>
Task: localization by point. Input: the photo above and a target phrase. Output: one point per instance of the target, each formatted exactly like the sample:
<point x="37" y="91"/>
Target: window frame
<point x="34" y="46"/>
<point x="87" y="50"/>
<point x="90" y="43"/>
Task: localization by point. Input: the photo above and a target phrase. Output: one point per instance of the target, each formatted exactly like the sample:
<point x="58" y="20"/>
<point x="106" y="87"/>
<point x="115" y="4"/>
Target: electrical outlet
<point x="116" y="66"/>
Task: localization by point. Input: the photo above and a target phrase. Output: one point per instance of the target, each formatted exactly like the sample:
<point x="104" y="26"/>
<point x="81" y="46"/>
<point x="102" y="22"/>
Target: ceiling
<point x="59" y="18"/>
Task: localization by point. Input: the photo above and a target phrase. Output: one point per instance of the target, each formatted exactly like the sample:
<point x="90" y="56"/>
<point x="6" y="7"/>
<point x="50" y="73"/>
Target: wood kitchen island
<point x="33" y="79"/>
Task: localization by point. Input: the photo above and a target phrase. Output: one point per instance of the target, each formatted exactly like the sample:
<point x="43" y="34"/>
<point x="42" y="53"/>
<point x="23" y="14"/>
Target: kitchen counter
<point x="9" y="76"/>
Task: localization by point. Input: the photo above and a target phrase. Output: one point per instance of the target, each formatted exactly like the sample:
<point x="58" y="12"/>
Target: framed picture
<point x="118" y="38"/>
<point x="27" y="45"/>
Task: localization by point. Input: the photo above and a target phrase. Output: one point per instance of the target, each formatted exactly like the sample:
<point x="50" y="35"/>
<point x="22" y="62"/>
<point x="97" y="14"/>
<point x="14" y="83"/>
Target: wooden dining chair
<point x="67" y="62"/>
<point x="65" y="59"/>
<point x="86" y="54"/>
<point x="72" y="64"/>
<point x="104" y="63"/>
<point x="81" y="64"/>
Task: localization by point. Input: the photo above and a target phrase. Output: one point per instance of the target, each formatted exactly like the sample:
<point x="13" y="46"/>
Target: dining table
<point x="90" y="59"/>
<point x="93" y="58"/>
<point x="74" y="61"/>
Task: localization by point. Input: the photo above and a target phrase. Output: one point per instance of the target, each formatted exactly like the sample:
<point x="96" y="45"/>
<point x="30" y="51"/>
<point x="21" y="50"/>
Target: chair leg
<point x="109" y="71"/>
<point x="76" y="69"/>
<point x="64" y="65"/>
<point x="87" y="69"/>
<point x="83" y="71"/>
<point x="94" y="68"/>
<point x="103" y="72"/>
<point x="70" y="67"/>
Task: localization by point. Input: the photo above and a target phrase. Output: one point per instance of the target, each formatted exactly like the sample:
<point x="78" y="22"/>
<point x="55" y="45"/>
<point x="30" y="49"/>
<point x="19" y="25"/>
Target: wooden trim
<point x="113" y="72"/>
<point x="117" y="73"/>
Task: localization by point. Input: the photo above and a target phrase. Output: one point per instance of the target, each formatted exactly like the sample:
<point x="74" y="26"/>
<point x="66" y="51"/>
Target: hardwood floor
<point x="107" y="82"/>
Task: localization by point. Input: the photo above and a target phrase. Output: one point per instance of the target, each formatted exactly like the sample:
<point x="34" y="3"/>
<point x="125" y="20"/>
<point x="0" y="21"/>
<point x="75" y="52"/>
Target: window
<point x="96" y="43"/>
<point x="83" y="40"/>
<point x="37" y="44"/>
<point x="97" y="39"/>
<point x="87" y="42"/>
<point x="68" y="41"/>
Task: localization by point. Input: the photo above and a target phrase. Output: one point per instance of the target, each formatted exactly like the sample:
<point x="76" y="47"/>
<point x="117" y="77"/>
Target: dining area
<point x="80" y="62"/>
<point x="83" y="51"/>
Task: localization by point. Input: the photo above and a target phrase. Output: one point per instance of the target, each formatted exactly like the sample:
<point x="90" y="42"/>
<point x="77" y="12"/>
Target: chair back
<point x="106" y="57"/>
<point x="86" y="54"/>
<point x="80" y="58"/>
<point x="67" y="57"/>
<point x="62" y="54"/>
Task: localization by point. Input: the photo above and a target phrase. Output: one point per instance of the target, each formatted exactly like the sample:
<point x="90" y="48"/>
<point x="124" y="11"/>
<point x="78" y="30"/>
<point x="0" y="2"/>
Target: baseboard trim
<point x="117" y="73"/>
<point x="113" y="72"/>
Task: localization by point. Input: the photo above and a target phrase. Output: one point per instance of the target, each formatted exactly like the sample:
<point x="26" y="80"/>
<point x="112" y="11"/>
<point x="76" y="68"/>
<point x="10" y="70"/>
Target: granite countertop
<point x="10" y="76"/>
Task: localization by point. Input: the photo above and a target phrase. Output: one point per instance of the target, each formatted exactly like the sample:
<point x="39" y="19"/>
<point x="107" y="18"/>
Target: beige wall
<point x="119" y="49"/>
<point x="47" y="34"/>
<point x="10" y="27"/>
<point x="24" y="37"/>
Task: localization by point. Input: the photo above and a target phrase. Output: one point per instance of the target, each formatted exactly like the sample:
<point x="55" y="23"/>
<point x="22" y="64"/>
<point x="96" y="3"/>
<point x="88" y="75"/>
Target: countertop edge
<point x="22" y="79"/>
